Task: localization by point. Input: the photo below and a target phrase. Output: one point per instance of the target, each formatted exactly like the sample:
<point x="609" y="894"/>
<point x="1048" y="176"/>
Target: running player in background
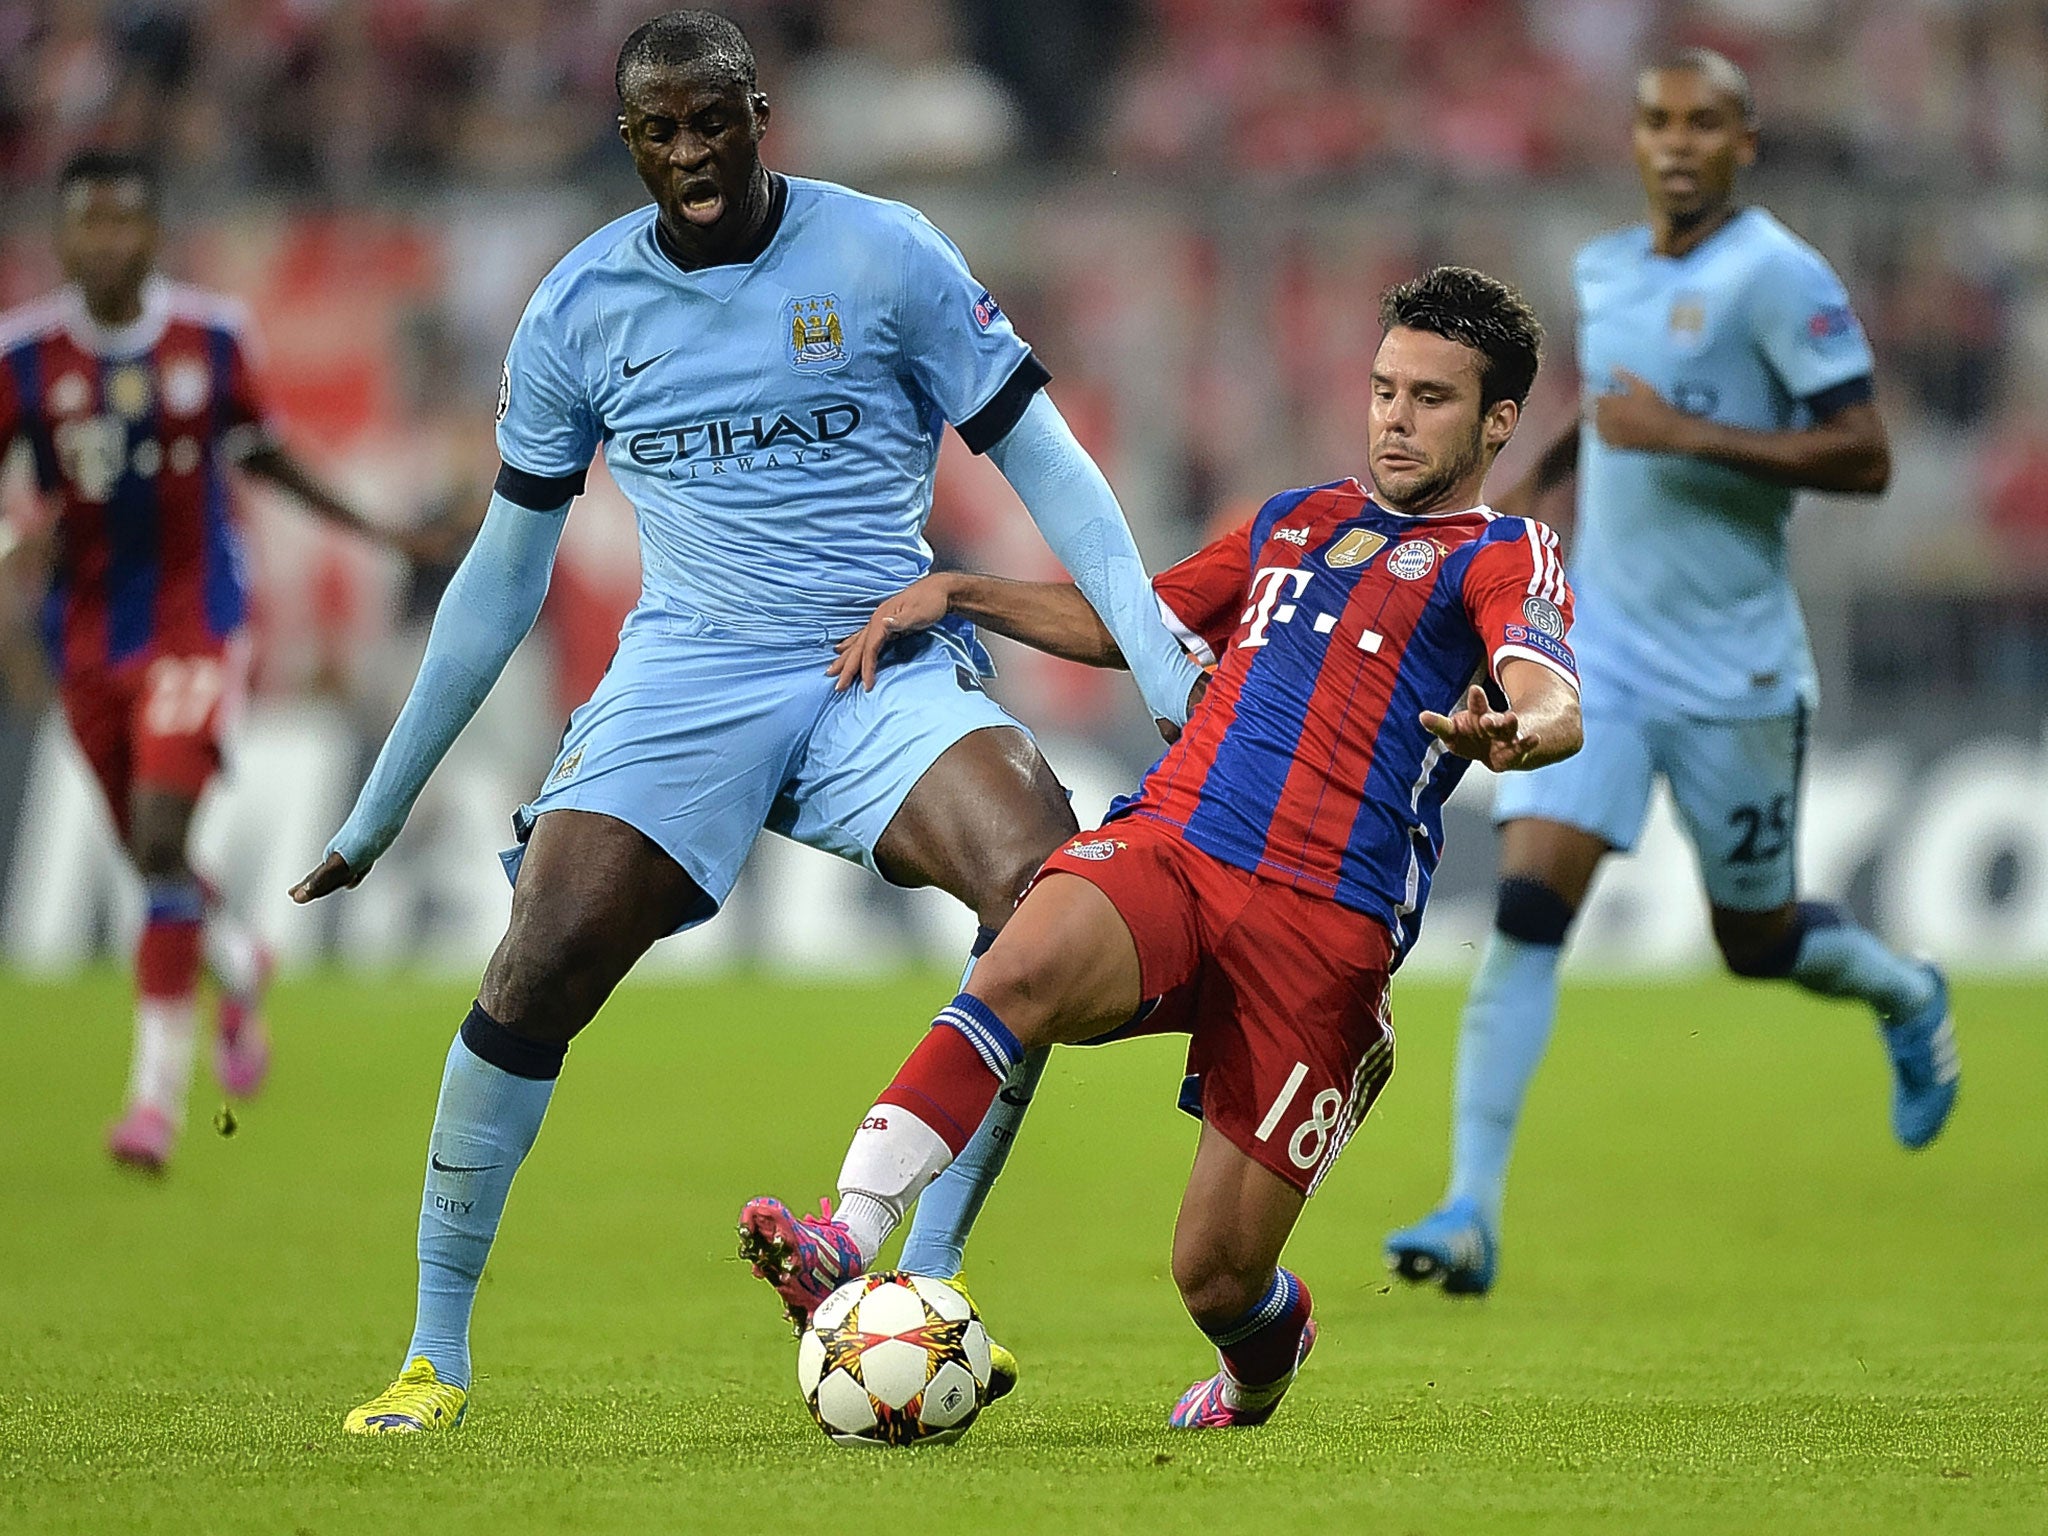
<point x="1259" y="890"/>
<point x="138" y="399"/>
<point x="767" y="363"/>
<point x="1727" y="371"/>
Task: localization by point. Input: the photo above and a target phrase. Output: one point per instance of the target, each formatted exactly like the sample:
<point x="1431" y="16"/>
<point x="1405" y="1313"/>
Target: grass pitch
<point x="1729" y="1302"/>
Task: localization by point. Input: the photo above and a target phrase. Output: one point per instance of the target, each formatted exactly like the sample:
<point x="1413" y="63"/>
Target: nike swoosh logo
<point x="441" y="1167"/>
<point x="630" y="369"/>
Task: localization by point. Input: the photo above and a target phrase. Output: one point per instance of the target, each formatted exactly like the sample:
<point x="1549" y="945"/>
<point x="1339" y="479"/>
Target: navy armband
<point x="538" y="493"/>
<point x="992" y="423"/>
<point x="1857" y="391"/>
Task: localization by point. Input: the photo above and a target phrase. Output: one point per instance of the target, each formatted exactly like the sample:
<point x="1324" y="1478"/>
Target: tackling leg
<point x="977" y="825"/>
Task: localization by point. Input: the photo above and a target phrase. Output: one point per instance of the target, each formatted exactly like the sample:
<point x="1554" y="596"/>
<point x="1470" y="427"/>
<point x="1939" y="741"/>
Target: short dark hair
<point x="701" y="39"/>
<point x="102" y="167"/>
<point x="1484" y="314"/>
<point x="1718" y="70"/>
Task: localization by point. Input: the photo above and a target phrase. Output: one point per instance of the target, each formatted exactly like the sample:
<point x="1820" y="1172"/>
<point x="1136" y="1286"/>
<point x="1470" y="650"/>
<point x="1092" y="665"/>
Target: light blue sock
<point x="946" y="1211"/>
<point x="489" y="1114"/>
<point x="1838" y="957"/>
<point x="1508" y="1015"/>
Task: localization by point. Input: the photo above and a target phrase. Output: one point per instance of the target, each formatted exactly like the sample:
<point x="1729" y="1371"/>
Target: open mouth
<point x="1678" y="181"/>
<point x="702" y="203"/>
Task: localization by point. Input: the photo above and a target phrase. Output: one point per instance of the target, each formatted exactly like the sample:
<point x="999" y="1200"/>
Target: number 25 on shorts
<point x="1305" y="1146"/>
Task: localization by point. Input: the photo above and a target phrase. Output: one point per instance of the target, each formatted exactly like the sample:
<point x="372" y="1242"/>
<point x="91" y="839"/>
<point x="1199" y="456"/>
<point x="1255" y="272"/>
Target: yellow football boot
<point x="418" y="1401"/>
<point x="1002" y="1365"/>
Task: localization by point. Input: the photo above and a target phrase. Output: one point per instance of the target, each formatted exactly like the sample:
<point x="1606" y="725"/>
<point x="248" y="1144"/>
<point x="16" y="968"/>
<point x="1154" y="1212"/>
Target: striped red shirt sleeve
<point x="1516" y="596"/>
<point x="1202" y="599"/>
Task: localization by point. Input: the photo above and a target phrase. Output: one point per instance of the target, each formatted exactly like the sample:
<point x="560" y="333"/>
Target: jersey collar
<point x="139" y="335"/>
<point x="778" y="209"/>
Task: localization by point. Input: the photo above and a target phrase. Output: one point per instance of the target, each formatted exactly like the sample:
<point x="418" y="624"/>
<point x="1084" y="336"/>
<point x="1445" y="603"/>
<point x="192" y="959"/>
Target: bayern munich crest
<point x="1095" y="849"/>
<point x="1413" y="560"/>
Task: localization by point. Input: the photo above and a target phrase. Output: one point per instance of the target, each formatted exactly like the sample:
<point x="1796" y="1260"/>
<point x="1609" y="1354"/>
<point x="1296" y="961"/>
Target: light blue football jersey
<point x="1680" y="568"/>
<point x="775" y="423"/>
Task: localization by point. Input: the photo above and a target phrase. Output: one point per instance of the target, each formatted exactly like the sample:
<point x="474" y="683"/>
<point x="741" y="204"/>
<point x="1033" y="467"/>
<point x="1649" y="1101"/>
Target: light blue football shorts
<point x="700" y="739"/>
<point x="1735" y="782"/>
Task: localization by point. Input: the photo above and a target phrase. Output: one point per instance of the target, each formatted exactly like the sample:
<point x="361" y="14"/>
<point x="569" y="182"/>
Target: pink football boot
<point x="1202" y="1405"/>
<point x="241" y="1045"/>
<point x="805" y="1258"/>
<point x="142" y="1138"/>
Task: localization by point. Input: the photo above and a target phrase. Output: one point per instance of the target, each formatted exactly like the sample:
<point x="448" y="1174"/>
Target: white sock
<point x="1250" y="1399"/>
<point x="869" y="1220"/>
<point x="160" y="1073"/>
<point x="893" y="1157"/>
<point x="234" y="955"/>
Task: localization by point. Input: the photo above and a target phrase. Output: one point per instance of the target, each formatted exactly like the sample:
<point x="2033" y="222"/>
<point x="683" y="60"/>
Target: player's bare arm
<point x="26" y="558"/>
<point x="1047" y="616"/>
<point x="282" y="468"/>
<point x="1848" y="451"/>
<point x="1540" y="725"/>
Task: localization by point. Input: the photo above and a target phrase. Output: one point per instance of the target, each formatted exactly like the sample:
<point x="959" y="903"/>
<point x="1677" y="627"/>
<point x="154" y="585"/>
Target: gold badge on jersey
<point x="1688" y="322"/>
<point x="1355" y="548"/>
<point x="128" y="392"/>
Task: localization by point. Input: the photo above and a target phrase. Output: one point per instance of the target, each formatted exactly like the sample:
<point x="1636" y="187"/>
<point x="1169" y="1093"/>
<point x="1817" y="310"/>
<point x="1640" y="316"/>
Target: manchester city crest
<point x="817" y="336"/>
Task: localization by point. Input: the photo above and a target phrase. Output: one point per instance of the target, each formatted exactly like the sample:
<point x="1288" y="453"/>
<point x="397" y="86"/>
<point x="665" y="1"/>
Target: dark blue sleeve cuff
<point x="538" y="493"/>
<point x="1858" y="391"/>
<point x="991" y="424"/>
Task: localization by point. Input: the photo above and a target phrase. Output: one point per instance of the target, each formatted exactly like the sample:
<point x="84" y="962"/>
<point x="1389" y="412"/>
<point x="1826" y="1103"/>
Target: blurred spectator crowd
<point x="340" y="98"/>
<point x="1187" y="204"/>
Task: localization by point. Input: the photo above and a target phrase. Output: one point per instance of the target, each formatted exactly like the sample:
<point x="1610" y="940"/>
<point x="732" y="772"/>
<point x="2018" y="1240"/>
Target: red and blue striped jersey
<point x="133" y="432"/>
<point x="1332" y="624"/>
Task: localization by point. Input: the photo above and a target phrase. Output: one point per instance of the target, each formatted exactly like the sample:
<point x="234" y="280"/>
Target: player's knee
<point x="157" y="850"/>
<point x="1532" y="912"/>
<point x="1016" y="986"/>
<point x="1214" y="1288"/>
<point x="1011" y="863"/>
<point x="1760" y="946"/>
<point x="547" y="979"/>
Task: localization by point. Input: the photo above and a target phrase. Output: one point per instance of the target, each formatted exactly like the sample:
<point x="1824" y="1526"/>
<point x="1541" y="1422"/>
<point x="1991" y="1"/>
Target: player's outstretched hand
<point x="1636" y="416"/>
<point x="1479" y="731"/>
<point x="918" y="606"/>
<point x="332" y="875"/>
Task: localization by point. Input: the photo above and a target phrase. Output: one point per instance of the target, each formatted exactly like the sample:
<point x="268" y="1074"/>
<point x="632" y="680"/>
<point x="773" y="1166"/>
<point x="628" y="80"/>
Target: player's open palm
<point x="917" y="607"/>
<point x="1475" y="729"/>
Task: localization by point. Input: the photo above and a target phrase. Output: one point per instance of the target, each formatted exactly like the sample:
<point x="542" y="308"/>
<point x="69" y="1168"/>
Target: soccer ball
<point x="894" y="1359"/>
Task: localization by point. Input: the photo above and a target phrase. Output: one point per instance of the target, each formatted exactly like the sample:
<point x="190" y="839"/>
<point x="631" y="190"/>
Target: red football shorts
<point x="1283" y="993"/>
<point x="156" y="722"/>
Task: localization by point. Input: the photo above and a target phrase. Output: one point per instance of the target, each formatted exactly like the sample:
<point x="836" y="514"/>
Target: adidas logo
<point x="1296" y="536"/>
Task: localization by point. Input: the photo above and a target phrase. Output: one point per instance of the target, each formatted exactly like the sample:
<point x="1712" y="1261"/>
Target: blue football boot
<point x="1925" y="1068"/>
<point x="1453" y="1246"/>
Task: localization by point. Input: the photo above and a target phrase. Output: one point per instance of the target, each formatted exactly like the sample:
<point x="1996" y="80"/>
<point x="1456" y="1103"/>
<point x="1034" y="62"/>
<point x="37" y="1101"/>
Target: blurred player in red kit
<point x="137" y="399"/>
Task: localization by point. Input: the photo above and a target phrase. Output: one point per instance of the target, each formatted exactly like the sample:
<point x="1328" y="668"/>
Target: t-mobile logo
<point x="1270" y="589"/>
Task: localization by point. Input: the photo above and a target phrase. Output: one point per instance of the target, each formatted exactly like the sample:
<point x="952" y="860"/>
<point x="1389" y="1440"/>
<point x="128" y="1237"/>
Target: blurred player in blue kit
<point x="1726" y="371"/>
<point x="767" y="364"/>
